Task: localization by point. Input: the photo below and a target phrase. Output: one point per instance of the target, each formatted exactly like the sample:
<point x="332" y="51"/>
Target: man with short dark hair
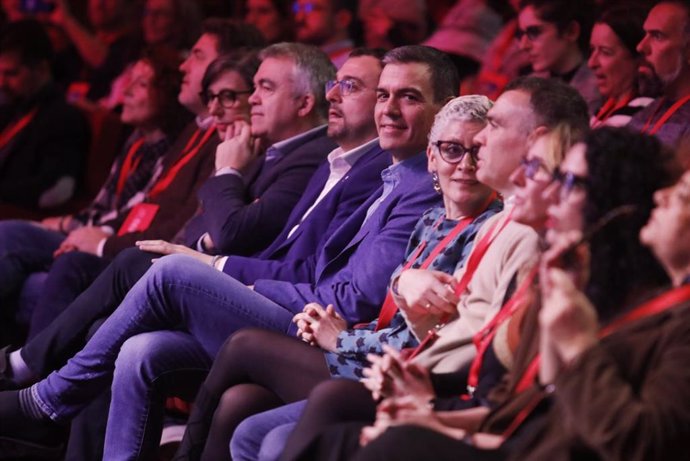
<point x="42" y="139"/>
<point x="666" y="66"/>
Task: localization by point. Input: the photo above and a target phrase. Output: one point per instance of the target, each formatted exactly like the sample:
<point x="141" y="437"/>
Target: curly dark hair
<point x="171" y="116"/>
<point x="624" y="167"/>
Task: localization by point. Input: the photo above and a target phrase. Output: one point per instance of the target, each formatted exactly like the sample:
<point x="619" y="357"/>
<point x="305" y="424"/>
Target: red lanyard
<point x="479" y="252"/>
<point x="129" y="164"/>
<point x="664" y="118"/>
<point x="609" y="108"/>
<point x="187" y="154"/>
<point x="482" y="340"/>
<point x="654" y="306"/>
<point x="389" y="307"/>
<point x="12" y="130"/>
<point x="475" y="258"/>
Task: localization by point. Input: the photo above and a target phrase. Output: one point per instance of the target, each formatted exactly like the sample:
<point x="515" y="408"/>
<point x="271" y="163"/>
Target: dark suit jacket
<point x="51" y="146"/>
<point x="293" y="258"/>
<point x="244" y="215"/>
<point x="178" y="202"/>
<point x="354" y="266"/>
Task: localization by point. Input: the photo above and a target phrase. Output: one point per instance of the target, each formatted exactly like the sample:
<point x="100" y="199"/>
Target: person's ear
<point x="431" y="163"/>
<point x="307" y="104"/>
<point x="537" y="132"/>
<point x="572" y="32"/>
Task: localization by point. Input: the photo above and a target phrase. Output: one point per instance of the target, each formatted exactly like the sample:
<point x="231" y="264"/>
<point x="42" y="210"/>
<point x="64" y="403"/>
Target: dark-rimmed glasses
<point x="226" y="98"/>
<point x="453" y="152"/>
<point x="569" y="181"/>
<point x="531" y="167"/>
<point x="532" y="33"/>
<point x="346" y="86"/>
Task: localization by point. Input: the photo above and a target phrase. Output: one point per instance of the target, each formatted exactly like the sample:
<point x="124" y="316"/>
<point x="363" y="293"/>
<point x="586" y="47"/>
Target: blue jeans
<point x="24" y="248"/>
<point x="263" y="436"/>
<point x="177" y="293"/>
<point x="150" y="367"/>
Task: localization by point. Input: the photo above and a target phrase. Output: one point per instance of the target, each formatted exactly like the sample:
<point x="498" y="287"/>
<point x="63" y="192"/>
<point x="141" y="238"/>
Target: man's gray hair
<point x="312" y="70"/>
<point x="471" y="108"/>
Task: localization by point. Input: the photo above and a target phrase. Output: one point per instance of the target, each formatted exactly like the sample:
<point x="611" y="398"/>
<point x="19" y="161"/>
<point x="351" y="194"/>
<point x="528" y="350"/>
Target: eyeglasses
<point x="226" y="98"/>
<point x="346" y="86"/>
<point x="532" y="33"/>
<point x="532" y="166"/>
<point x="305" y="8"/>
<point x="453" y="152"/>
<point x="569" y="181"/>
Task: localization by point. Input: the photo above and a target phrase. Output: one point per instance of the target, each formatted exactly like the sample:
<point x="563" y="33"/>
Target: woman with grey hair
<point x="257" y="370"/>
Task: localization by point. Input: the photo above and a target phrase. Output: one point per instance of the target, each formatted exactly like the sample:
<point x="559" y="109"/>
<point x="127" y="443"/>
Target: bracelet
<point x="215" y="260"/>
<point x="468" y="439"/>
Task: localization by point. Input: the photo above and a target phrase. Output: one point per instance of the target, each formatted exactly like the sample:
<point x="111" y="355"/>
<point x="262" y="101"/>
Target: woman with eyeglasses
<point x="554" y="34"/>
<point x="258" y="370"/>
<point x="602" y="396"/>
<point x="614" y="61"/>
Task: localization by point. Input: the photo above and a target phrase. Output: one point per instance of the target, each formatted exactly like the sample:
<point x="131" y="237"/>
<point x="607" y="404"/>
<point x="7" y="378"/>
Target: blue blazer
<point x="354" y="266"/>
<point x="293" y="258"/>
<point x="244" y="215"/>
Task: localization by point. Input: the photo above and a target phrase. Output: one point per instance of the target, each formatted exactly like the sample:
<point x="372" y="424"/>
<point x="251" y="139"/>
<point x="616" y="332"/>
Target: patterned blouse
<point x="107" y="204"/>
<point x="354" y="344"/>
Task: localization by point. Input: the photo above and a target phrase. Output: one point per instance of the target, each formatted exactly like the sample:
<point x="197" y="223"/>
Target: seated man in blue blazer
<point x="203" y="305"/>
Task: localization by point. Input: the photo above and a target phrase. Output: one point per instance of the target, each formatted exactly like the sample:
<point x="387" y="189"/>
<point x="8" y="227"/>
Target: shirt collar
<point x="339" y="157"/>
<point x="297" y="138"/>
<point x="392" y="173"/>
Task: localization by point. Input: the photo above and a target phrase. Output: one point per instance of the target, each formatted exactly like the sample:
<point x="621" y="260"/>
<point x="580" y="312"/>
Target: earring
<point x="436" y="184"/>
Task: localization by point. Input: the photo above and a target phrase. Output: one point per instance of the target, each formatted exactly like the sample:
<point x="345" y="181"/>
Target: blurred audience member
<point x="391" y="23"/>
<point x="12" y="10"/>
<point x="325" y="23"/>
<point x="555" y="36"/>
<point x="151" y="107"/>
<point x="502" y="62"/>
<point x="466" y="33"/>
<point x="666" y="65"/>
<point x="106" y="45"/>
<point x="174" y="23"/>
<point x="614" y="61"/>
<point x="42" y="139"/>
<point x="273" y="18"/>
